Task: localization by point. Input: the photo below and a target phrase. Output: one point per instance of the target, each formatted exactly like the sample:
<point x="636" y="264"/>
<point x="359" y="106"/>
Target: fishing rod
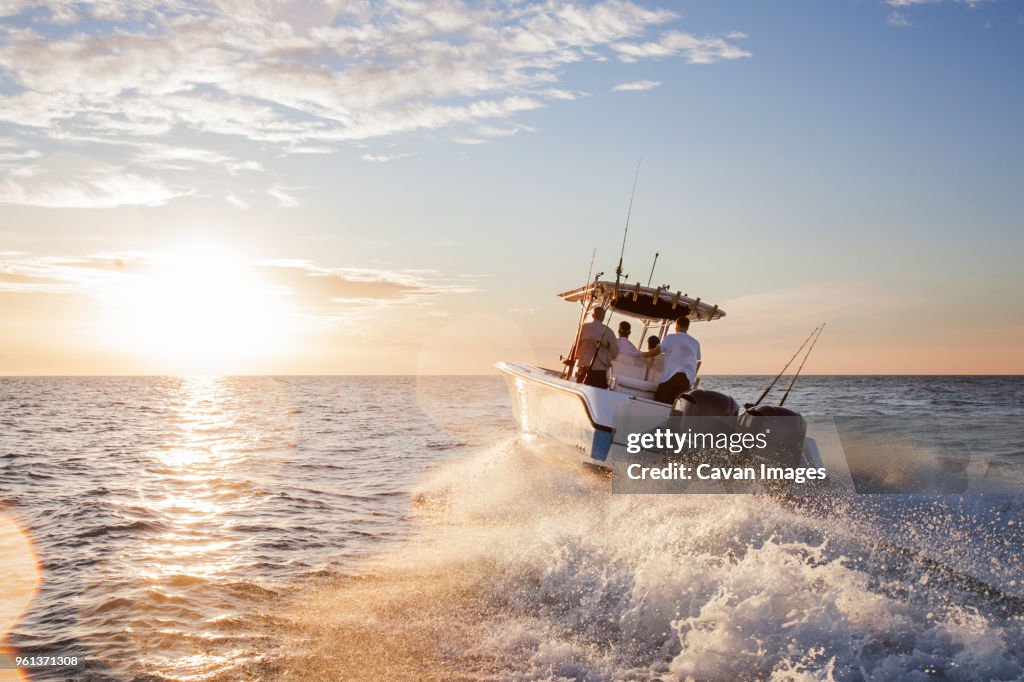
<point x="618" y="268"/>
<point x="801" y="367"/>
<point x="584" y="309"/>
<point x="651" y="277"/>
<point x="629" y="212"/>
<point x="779" y="375"/>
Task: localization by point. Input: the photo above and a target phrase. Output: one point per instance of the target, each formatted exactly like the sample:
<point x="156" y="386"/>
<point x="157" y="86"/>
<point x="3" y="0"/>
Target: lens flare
<point x="21" y="579"/>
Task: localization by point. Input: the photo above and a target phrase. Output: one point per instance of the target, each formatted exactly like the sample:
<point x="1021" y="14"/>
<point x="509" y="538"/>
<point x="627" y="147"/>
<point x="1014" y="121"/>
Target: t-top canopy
<point x="648" y="303"/>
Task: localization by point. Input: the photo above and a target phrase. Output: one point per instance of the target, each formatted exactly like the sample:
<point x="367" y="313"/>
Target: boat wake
<point x="525" y="568"/>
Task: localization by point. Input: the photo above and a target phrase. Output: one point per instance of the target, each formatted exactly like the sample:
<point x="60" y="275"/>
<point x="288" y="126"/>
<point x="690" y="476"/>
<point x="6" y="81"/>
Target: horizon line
<point x="198" y="374"/>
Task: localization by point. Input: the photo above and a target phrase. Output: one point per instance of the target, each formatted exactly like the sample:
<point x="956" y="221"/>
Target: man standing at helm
<point x="597" y="349"/>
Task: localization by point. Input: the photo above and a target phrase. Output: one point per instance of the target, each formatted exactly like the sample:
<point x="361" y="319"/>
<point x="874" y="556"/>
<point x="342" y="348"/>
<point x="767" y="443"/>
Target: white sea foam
<point x="560" y="579"/>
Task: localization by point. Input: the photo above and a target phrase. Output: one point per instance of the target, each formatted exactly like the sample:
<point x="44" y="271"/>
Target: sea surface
<point x="398" y="528"/>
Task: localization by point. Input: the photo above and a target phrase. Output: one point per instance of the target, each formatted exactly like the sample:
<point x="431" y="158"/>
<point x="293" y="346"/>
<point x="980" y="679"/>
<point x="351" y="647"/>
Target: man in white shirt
<point x="626" y="347"/>
<point x="682" y="353"/>
<point x="597" y="349"/>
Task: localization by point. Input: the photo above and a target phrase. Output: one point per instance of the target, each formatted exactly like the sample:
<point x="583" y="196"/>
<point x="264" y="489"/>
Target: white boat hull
<point x="583" y="417"/>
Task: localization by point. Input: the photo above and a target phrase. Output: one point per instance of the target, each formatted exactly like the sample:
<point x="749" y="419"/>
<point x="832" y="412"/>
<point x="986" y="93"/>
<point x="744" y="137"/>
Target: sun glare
<point x="200" y="310"/>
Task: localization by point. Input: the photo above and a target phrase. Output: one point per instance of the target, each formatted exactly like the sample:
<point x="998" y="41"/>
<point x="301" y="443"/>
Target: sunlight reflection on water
<point x="189" y="486"/>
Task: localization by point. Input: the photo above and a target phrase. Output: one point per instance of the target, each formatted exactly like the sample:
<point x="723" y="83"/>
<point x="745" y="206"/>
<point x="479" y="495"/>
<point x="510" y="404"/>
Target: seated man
<point x="682" y="353"/>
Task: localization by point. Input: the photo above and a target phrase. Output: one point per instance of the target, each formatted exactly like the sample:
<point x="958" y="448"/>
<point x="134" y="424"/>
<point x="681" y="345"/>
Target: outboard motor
<point x="703" y="403"/>
<point x="710" y="411"/>
<point x="788" y="432"/>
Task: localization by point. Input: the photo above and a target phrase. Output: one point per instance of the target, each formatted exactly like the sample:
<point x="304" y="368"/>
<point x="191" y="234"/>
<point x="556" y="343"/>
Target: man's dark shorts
<point x="597" y="378"/>
<point x="668" y="391"/>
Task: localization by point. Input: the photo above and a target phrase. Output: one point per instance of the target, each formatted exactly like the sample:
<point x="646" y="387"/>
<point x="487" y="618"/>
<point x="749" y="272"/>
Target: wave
<point x="524" y="568"/>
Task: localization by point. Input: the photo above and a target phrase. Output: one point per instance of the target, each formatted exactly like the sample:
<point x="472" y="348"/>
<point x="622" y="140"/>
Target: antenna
<point x="651" y="277"/>
<point x="801" y="367"/>
<point x="590" y="270"/>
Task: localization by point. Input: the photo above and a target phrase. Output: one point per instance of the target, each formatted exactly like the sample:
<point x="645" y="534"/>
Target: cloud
<point x="314" y="292"/>
<point x="16" y="281"/>
<point x="911" y="3"/>
<point x="284" y="199"/>
<point x="70" y="180"/>
<point x="564" y="95"/>
<point x="235" y="167"/>
<point x="236" y="201"/>
<point x="8" y="155"/>
<point x="495" y="131"/>
<point x="101" y="189"/>
<point x="693" y="49"/>
<point x="897" y="19"/>
<point x="22" y="272"/>
<point x="322" y="289"/>
<point x="483" y="134"/>
<point x="383" y="158"/>
<point x="636" y="85"/>
<point x="305" y="76"/>
<point x="168" y="156"/>
<point x="311" y="149"/>
<point x="908" y="3"/>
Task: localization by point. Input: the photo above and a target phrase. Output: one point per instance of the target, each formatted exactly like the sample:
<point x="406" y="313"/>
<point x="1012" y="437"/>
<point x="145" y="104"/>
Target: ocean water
<point x="344" y="528"/>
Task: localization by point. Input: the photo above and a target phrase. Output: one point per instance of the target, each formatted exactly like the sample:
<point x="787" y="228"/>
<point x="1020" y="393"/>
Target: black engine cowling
<point x="788" y="431"/>
<point x="703" y="403"/>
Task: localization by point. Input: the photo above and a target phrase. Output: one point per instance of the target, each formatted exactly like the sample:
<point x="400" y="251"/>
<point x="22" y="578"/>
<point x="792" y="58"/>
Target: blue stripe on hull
<point x="601" y="445"/>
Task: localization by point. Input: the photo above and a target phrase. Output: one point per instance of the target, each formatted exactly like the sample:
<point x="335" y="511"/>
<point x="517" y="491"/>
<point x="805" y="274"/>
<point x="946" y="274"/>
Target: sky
<point x="403" y="186"/>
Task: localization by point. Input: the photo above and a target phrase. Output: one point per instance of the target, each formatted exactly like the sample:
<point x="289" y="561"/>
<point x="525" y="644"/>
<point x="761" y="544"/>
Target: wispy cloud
<point x="636" y="85"/>
<point x="168" y="156"/>
<point x="236" y="201"/>
<point x="283" y="198"/>
<point x="972" y="4"/>
<point x="106" y="188"/>
<point x="694" y="49"/>
<point x="384" y="158"/>
<point x="324" y="287"/>
<point x="496" y="131"/>
<point x="315" y="292"/>
<point x="109" y="78"/>
<point x="485" y="133"/>
<point x="28" y="273"/>
<point x="910" y="3"/>
<point x="7" y="154"/>
<point x="898" y="19"/>
<point x="330" y="73"/>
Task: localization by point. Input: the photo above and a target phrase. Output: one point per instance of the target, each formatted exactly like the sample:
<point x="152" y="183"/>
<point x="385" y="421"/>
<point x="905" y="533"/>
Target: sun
<point x="200" y="309"/>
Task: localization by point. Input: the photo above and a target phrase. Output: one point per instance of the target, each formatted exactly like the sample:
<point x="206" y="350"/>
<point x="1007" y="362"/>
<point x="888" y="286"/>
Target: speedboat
<point x="551" y="404"/>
